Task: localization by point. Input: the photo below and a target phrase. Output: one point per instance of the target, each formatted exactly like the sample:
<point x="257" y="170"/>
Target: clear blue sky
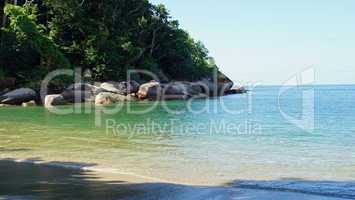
<point x="269" y="41"/>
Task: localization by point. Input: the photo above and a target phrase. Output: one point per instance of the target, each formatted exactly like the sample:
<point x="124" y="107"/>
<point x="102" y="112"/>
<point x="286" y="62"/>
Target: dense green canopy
<point x="106" y="36"/>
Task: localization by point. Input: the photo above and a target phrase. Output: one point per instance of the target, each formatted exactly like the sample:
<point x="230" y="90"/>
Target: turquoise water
<point x="256" y="147"/>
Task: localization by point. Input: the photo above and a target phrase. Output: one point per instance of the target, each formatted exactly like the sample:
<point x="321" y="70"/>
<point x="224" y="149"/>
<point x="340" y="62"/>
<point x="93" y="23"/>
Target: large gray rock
<point x="218" y="87"/>
<point x="81" y="92"/>
<point x="240" y="90"/>
<point x="224" y="87"/>
<point x="2" y="92"/>
<point x="148" y="89"/>
<point x="180" y="91"/>
<point x="54" y="100"/>
<point x="123" y="88"/>
<point x="19" y="96"/>
<point x="224" y="84"/>
<point x="106" y="98"/>
<point x="169" y="91"/>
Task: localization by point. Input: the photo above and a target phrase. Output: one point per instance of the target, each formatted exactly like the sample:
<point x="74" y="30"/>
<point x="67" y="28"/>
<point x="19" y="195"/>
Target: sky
<point x="270" y="41"/>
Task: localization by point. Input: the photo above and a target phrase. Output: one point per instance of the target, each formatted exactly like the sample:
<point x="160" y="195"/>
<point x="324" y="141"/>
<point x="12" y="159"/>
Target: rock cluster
<point x="107" y="93"/>
<point x="115" y="92"/>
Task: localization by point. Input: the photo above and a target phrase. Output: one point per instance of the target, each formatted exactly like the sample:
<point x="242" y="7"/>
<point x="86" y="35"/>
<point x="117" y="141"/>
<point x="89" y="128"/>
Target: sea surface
<point x="301" y="139"/>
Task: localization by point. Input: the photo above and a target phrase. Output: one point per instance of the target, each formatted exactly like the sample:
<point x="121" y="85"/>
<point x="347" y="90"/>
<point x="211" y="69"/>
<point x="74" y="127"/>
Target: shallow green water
<point x="258" y="144"/>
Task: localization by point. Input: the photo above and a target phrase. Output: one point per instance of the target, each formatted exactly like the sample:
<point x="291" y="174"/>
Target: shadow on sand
<point x="49" y="181"/>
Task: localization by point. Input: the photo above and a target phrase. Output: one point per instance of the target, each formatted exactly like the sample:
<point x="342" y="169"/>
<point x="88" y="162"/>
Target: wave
<point x="339" y="189"/>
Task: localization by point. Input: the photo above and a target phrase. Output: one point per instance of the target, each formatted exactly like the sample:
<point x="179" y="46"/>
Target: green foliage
<point x="23" y="24"/>
<point x="107" y="37"/>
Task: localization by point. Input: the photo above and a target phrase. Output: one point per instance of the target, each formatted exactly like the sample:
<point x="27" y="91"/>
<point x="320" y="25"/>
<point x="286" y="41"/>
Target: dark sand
<point x="32" y="181"/>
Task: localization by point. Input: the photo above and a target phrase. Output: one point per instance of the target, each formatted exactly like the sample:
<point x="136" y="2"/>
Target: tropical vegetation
<point x="106" y="37"/>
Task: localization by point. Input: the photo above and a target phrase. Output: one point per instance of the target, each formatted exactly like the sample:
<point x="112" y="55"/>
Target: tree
<point x="23" y="23"/>
<point x="107" y="37"/>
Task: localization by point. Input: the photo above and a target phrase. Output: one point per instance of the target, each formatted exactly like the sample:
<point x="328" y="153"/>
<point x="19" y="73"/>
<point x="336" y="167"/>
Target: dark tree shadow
<point x="51" y="181"/>
<point x="31" y="181"/>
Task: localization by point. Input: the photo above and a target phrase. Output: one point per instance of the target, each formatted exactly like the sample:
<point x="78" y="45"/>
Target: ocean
<point x="301" y="139"/>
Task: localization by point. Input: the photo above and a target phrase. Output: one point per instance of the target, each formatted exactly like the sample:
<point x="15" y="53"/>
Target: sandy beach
<point x="23" y="180"/>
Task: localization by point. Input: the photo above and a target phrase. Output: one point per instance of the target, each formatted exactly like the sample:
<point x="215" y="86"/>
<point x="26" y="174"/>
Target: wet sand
<point x="23" y="180"/>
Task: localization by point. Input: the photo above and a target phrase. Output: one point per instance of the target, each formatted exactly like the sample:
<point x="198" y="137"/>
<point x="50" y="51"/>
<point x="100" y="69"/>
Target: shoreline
<point x="274" y="164"/>
<point x="135" y="186"/>
<point x="131" y="176"/>
<point x="111" y="92"/>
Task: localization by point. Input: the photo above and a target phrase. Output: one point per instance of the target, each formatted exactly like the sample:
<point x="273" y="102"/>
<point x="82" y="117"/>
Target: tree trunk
<point x="3" y="17"/>
<point x="152" y="46"/>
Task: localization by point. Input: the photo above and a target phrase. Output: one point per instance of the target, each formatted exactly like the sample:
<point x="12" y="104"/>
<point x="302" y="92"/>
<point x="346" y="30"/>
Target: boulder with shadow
<point x="122" y="88"/>
<point x="54" y="100"/>
<point x="169" y="91"/>
<point x="81" y="92"/>
<point x="18" y="96"/>
<point x="107" y="98"/>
